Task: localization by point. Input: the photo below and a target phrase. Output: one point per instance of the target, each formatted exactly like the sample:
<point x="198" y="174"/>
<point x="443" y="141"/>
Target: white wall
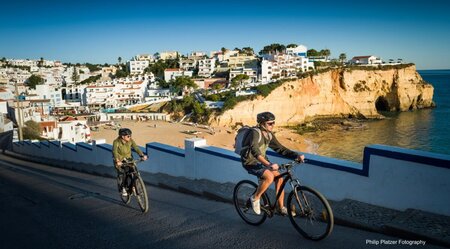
<point x="390" y="177"/>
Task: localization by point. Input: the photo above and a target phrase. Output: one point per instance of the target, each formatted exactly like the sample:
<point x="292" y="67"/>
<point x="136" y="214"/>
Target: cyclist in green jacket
<point x="122" y="150"/>
<point x="255" y="161"/>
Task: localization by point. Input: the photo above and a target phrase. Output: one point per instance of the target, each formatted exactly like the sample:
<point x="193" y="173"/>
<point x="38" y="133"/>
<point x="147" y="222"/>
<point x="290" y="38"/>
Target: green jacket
<point x="122" y="149"/>
<point x="258" y="146"/>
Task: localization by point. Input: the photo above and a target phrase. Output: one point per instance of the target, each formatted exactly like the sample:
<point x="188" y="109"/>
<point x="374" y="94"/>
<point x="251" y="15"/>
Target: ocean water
<point x="426" y="130"/>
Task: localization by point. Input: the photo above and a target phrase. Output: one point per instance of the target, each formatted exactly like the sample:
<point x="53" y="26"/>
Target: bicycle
<point x="308" y="210"/>
<point x="134" y="185"/>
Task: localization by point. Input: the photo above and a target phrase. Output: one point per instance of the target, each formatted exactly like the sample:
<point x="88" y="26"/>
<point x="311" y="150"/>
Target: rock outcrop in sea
<point x="340" y="92"/>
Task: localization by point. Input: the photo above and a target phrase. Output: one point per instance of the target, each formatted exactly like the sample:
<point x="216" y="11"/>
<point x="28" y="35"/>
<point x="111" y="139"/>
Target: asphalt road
<point x="48" y="207"/>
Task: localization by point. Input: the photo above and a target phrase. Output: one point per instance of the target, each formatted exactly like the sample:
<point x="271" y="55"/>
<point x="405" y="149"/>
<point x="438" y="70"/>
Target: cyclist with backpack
<point x="254" y="144"/>
<point x="122" y="146"/>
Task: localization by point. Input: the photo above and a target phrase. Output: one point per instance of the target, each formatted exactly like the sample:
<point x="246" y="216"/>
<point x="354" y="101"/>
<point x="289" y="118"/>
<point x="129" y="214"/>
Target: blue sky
<point x="99" y="32"/>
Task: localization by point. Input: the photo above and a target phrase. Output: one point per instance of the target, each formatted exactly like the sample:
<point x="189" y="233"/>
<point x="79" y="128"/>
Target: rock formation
<point x="337" y="93"/>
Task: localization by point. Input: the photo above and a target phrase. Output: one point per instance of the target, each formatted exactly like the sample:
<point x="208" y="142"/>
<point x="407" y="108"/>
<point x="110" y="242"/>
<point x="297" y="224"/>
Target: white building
<point x="206" y="67"/>
<point x="188" y="64"/>
<point x="137" y="67"/>
<point x="283" y="65"/>
<point x="67" y="130"/>
<point x="118" y="92"/>
<point x="74" y="93"/>
<point x="366" y="60"/>
<point x="252" y="73"/>
<point x="168" y="55"/>
<point x="144" y="57"/>
<point x="50" y="92"/>
<point x="5" y="124"/>
<point x="300" y="50"/>
<point x="172" y="73"/>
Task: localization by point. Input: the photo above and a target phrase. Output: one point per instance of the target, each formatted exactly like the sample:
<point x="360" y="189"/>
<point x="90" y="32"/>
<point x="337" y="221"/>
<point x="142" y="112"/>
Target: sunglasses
<point x="270" y="123"/>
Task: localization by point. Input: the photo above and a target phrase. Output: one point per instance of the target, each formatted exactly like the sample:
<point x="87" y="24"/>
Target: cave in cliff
<point x="382" y="105"/>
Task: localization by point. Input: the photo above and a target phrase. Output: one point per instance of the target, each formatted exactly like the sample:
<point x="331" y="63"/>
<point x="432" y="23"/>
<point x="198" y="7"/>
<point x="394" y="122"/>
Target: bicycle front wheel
<point x="310" y="213"/>
<point x="141" y="194"/>
<point x="241" y="198"/>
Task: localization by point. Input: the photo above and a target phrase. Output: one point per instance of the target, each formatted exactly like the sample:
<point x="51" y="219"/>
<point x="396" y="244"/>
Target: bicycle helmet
<point x="264" y="117"/>
<point x="124" y="132"/>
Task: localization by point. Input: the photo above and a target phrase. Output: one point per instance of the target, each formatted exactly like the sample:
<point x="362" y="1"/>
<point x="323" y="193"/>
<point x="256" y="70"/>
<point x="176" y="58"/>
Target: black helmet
<point x="124" y="132"/>
<point x="264" y="117"/>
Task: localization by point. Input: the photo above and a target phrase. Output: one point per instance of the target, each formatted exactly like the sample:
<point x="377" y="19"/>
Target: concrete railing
<point x="390" y="177"/>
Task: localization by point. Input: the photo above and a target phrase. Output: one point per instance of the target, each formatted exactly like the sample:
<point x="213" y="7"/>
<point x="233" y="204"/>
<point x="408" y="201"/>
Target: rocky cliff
<point x="337" y="93"/>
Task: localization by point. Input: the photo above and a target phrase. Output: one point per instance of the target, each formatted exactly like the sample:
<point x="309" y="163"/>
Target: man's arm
<point x="115" y="152"/>
<point x="136" y="148"/>
<point x="280" y="149"/>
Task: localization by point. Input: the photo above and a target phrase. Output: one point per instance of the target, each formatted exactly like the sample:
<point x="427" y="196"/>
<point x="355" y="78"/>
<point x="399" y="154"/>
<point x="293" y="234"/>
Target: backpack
<point x="242" y="134"/>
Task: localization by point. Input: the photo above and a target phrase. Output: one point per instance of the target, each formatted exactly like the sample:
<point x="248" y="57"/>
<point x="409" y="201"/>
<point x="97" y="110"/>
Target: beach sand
<point x="173" y="134"/>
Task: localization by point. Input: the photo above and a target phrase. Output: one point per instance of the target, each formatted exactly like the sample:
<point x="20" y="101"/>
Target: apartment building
<point x="172" y="73"/>
<point x="245" y="61"/>
<point x="275" y="66"/>
<point x="206" y="67"/>
<point x="67" y="129"/>
<point x="252" y="73"/>
<point x="168" y="55"/>
<point x="118" y="92"/>
<point x="366" y="60"/>
<point x="137" y="66"/>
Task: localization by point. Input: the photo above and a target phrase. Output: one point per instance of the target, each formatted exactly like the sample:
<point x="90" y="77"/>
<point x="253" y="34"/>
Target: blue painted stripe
<point x="85" y="145"/>
<point x="56" y="143"/>
<point x="45" y="143"/>
<point x="37" y="144"/>
<point x="107" y="147"/>
<point x="331" y="163"/>
<point x="423" y="157"/>
<point x="168" y="149"/>
<point x="69" y="146"/>
<point x="208" y="150"/>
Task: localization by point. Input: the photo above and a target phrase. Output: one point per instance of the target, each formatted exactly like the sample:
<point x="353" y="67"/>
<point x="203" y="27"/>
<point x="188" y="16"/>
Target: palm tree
<point x="342" y="57"/>
<point x="326" y="53"/>
<point x="120" y="60"/>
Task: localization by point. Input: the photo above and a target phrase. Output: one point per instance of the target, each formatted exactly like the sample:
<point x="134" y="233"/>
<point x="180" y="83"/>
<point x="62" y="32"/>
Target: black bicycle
<point x="308" y="210"/>
<point x="134" y="185"/>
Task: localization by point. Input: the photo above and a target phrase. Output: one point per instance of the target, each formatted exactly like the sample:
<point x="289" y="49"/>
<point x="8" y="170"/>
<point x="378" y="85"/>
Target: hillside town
<point x="67" y="101"/>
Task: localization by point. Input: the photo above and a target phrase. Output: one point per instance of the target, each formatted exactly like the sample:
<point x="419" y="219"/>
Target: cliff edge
<point x="337" y="93"/>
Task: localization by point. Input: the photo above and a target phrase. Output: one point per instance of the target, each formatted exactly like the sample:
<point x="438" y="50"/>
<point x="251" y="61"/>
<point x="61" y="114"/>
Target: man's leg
<point x="266" y="180"/>
<point x="278" y="183"/>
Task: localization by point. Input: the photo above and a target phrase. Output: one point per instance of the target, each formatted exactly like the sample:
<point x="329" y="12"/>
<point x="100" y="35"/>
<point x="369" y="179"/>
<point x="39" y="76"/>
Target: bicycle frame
<point x="286" y="177"/>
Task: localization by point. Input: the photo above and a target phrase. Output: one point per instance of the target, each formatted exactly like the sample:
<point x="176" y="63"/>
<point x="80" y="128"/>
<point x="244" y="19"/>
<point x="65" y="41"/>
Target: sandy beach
<point x="174" y="134"/>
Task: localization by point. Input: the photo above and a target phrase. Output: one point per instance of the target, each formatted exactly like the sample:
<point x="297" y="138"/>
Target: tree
<point x="342" y="57"/>
<point x="31" y="130"/>
<point x="41" y="62"/>
<point x="223" y="49"/>
<point x="326" y="53"/>
<point x="181" y="83"/>
<point x="312" y="52"/>
<point x="162" y="83"/>
<point x="119" y="60"/>
<point x="247" y="51"/>
<point x="237" y="81"/>
<point x="75" y="76"/>
<point x="34" y="80"/>
<point x="272" y="48"/>
<point x="292" y="45"/>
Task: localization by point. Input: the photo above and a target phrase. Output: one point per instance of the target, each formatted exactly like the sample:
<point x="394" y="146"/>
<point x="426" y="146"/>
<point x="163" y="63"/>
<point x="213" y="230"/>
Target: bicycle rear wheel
<point x="310" y="213"/>
<point x="141" y="194"/>
<point x="241" y="198"/>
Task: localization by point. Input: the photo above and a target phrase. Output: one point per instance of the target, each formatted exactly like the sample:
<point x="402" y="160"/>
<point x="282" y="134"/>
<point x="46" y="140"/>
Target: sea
<point x="425" y="129"/>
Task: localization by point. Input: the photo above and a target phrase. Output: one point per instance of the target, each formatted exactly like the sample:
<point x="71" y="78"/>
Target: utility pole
<point x="19" y="112"/>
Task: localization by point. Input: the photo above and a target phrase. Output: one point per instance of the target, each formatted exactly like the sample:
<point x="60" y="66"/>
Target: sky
<point x="101" y="31"/>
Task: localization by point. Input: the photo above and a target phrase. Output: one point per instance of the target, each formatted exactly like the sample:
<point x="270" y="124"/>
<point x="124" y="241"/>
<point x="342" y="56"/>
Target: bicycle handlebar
<point x="289" y="165"/>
